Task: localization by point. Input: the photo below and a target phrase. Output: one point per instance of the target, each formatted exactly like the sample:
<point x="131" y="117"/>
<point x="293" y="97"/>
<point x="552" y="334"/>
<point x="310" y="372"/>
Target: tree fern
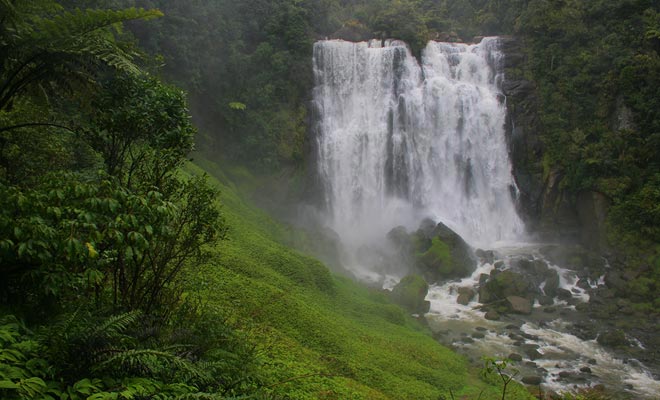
<point x="37" y="48"/>
<point x="71" y="26"/>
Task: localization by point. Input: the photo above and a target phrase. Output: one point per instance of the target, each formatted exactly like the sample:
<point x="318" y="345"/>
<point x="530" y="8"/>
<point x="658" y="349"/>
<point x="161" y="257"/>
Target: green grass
<point x="319" y="335"/>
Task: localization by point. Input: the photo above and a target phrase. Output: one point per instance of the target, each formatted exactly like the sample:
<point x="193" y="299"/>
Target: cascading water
<point x="398" y="142"/>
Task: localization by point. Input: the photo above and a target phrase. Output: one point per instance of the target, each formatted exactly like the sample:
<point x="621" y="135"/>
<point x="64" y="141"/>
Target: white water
<point x="399" y="141"/>
<point x="560" y="350"/>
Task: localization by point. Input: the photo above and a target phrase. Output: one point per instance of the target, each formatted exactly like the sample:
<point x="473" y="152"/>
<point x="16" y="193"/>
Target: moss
<point x="439" y="258"/>
<point x="410" y="292"/>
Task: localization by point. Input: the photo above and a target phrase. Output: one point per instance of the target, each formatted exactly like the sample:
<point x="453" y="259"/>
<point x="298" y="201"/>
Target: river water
<point x="400" y="139"/>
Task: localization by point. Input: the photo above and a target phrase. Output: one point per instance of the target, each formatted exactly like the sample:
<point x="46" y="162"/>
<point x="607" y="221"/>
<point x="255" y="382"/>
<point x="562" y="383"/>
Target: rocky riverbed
<point x="551" y="310"/>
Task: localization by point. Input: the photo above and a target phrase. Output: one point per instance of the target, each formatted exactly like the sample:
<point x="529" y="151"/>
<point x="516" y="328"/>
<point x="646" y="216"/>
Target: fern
<point x="71" y="26"/>
<point x="67" y="47"/>
<point x="155" y="363"/>
<point x="115" y="325"/>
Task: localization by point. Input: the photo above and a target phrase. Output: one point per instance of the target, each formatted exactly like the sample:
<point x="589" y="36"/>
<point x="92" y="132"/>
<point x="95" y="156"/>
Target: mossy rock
<point x="410" y="293"/>
<point x="401" y="239"/>
<point x="502" y="285"/>
<point x="612" y="338"/>
<point x="441" y="253"/>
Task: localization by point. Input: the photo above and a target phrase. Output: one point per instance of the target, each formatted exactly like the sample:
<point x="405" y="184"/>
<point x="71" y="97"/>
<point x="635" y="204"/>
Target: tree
<point x="47" y="49"/>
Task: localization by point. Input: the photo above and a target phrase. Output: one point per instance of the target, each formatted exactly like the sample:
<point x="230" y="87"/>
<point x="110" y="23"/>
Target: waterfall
<point x="400" y="140"/>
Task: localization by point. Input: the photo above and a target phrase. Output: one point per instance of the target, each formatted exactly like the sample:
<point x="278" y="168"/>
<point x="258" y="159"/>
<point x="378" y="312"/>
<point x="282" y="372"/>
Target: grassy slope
<point x="321" y="336"/>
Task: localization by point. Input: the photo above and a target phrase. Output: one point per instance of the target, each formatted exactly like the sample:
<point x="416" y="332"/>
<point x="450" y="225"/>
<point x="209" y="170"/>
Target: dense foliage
<point x="106" y="234"/>
<point x="594" y="65"/>
<point x="96" y="222"/>
<point x="104" y="240"/>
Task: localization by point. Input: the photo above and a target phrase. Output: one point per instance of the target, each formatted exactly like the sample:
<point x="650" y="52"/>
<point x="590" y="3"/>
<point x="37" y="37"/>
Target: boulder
<point x="515" y="357"/>
<point x="506" y="283"/>
<point x="612" y="338"/>
<point x="400" y="238"/>
<point x="531" y="352"/>
<point x="583" y="284"/>
<point x="546" y="300"/>
<point x="564" y="294"/>
<point x="519" y="305"/>
<point x="441" y="253"/>
<point x="465" y="294"/>
<point x="492" y="315"/>
<point x="410" y="293"/>
<point x="485" y="256"/>
<point x="551" y="284"/>
<point x="532" y="380"/>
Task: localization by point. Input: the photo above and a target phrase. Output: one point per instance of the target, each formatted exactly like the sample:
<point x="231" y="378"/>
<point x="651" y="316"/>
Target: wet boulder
<point x="492" y="315"/>
<point x="612" y="338"/>
<point x="564" y="294"/>
<point x="531" y="351"/>
<point x="485" y="256"/>
<point x="400" y="239"/>
<point x="532" y="380"/>
<point x="441" y="253"/>
<point x="465" y="294"/>
<point x="503" y="284"/>
<point x="551" y="284"/>
<point x="519" y="305"/>
<point x="410" y="293"/>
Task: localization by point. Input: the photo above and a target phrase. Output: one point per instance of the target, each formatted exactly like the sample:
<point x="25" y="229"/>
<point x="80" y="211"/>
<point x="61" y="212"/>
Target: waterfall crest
<point x="398" y="141"/>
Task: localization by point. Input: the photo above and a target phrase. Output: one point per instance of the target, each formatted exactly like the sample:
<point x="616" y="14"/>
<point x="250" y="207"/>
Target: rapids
<point x="400" y="139"/>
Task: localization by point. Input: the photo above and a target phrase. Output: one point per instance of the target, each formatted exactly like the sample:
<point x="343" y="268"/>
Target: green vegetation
<point x="353" y="341"/>
<point x="411" y="293"/>
<point x="438" y="257"/>
<point x="115" y="280"/>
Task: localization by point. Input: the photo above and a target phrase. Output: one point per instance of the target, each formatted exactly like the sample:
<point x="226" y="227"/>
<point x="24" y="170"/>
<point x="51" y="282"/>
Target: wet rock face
<point x="592" y="208"/>
<point x="522" y="129"/>
<point x="573" y="257"/>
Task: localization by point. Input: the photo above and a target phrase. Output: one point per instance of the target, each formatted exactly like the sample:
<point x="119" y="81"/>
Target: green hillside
<point x="324" y="336"/>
